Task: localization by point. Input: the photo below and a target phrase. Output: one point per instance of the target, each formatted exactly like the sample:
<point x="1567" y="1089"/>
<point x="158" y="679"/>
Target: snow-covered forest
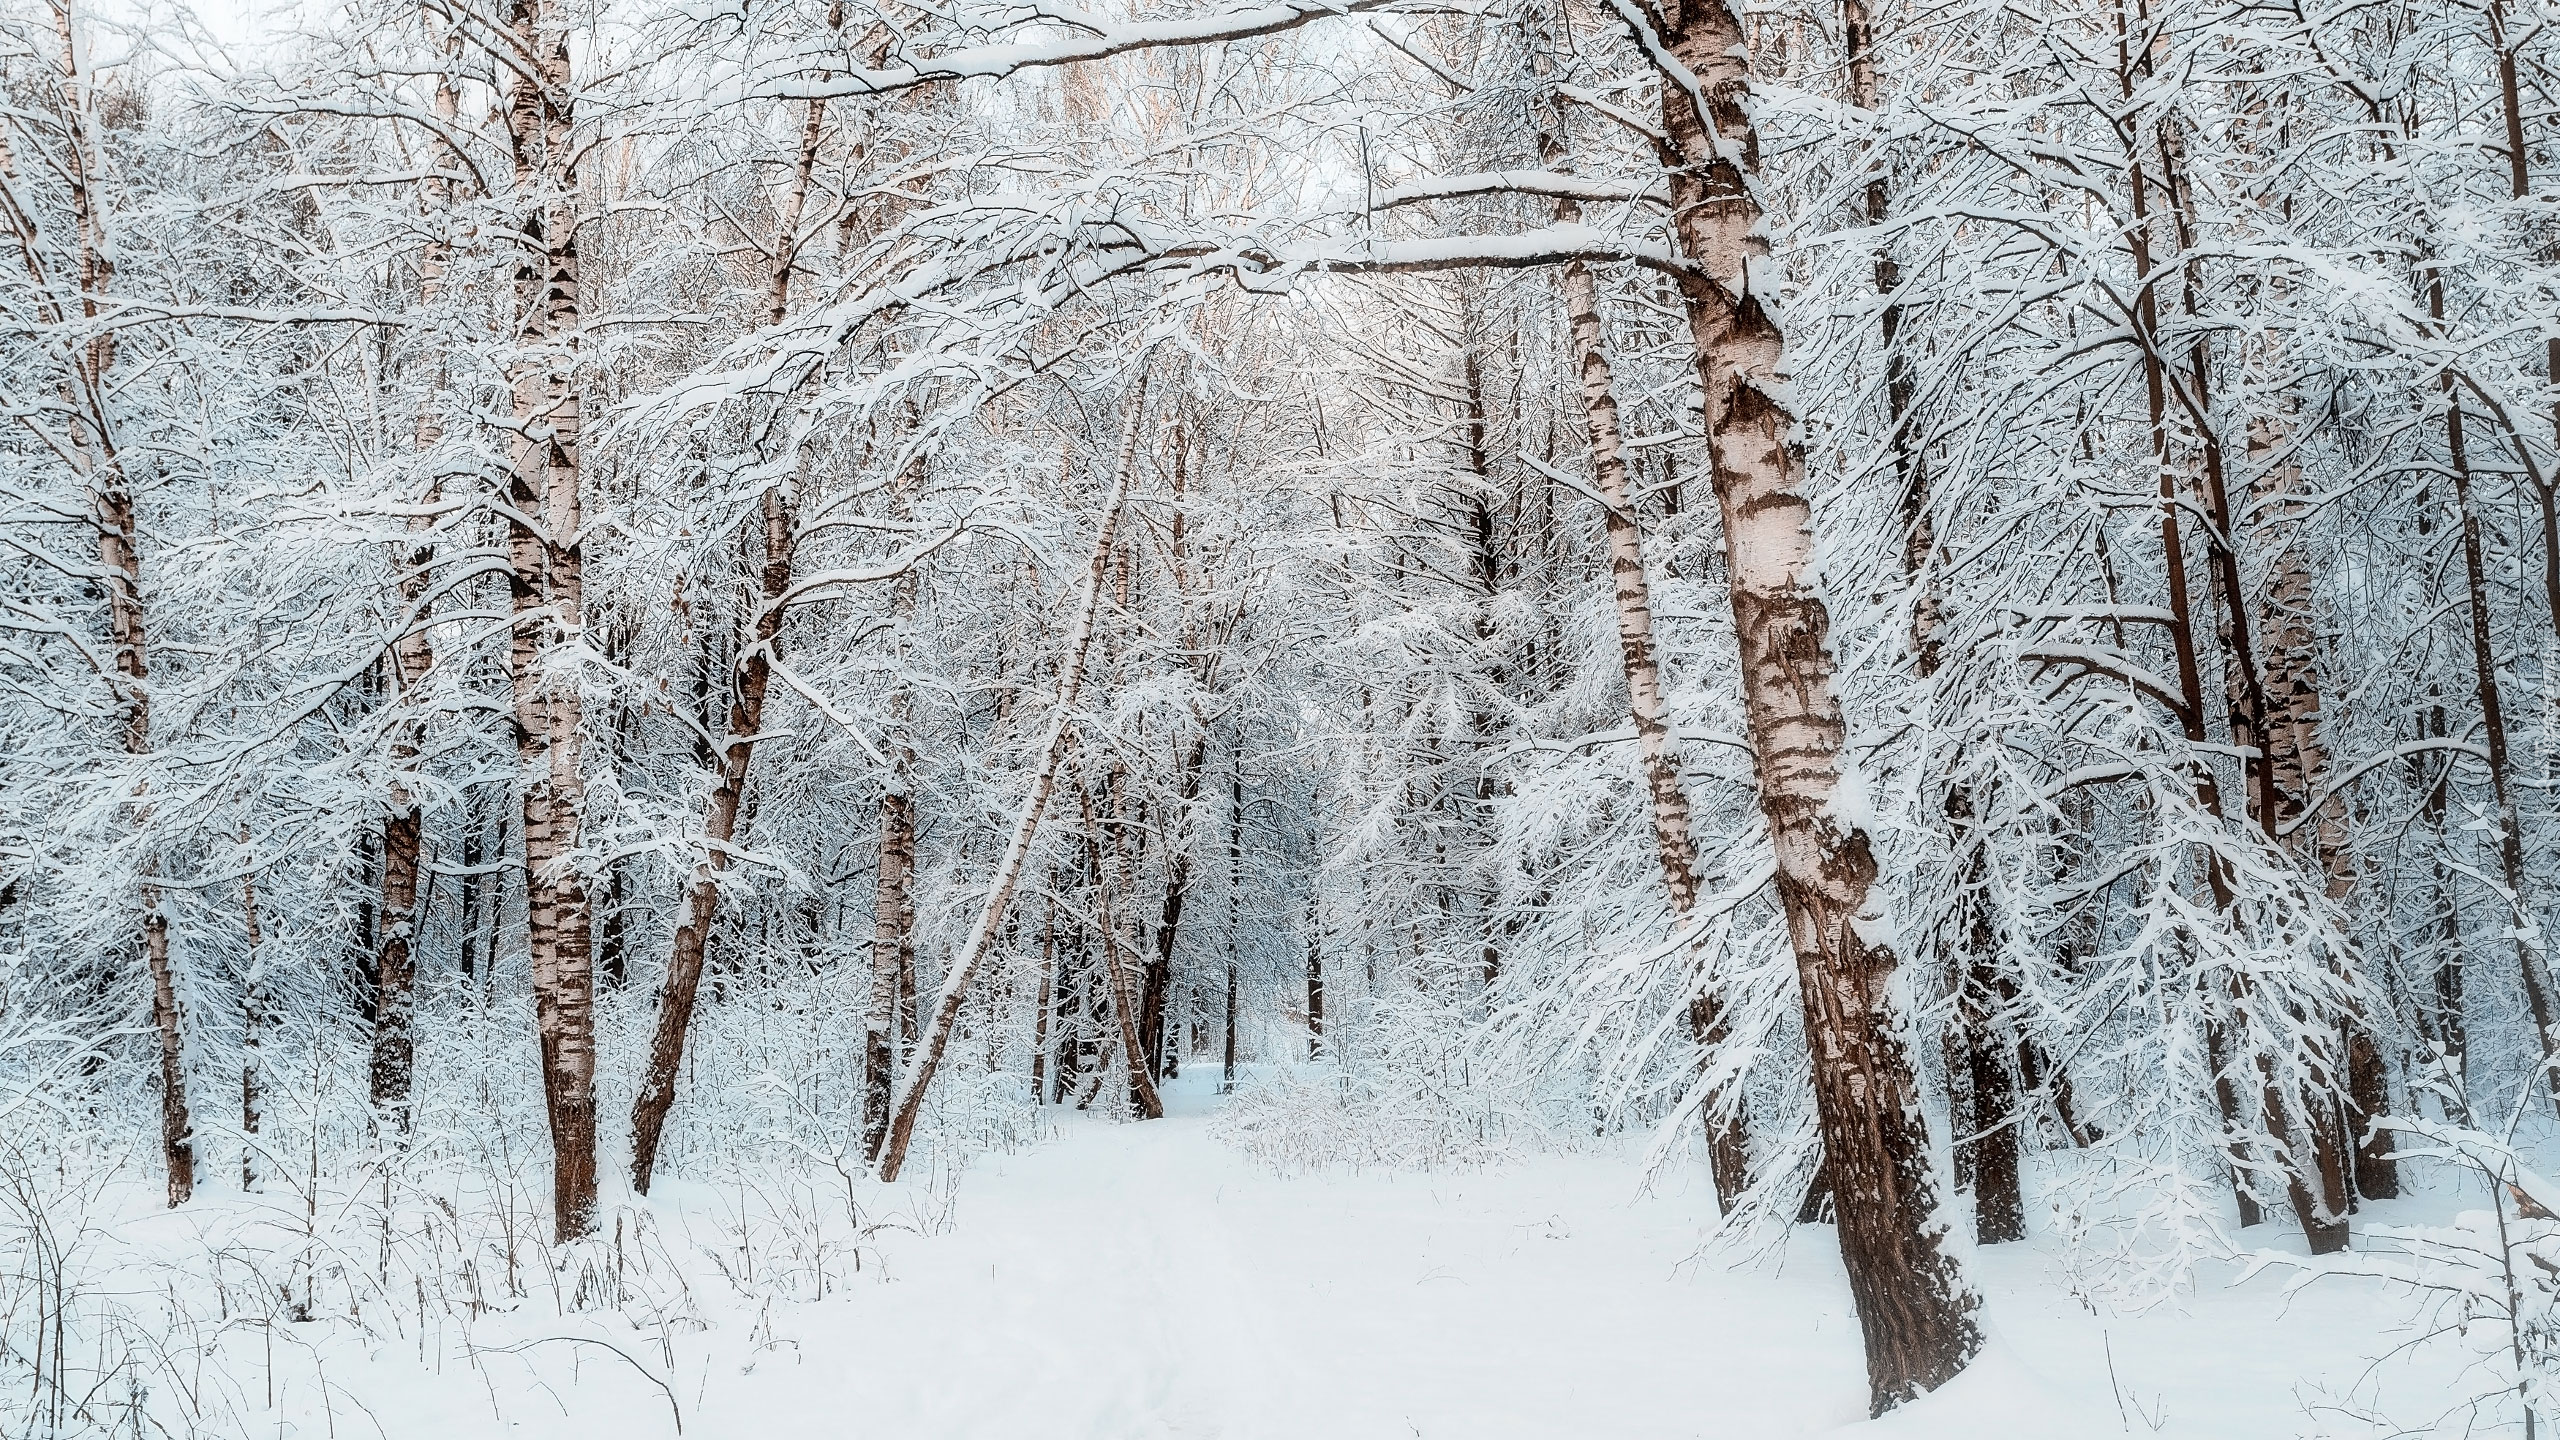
<point x="1844" y="707"/>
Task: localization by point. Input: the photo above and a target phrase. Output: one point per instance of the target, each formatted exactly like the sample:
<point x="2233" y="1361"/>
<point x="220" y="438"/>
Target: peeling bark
<point x="546" y="586"/>
<point x="1915" y="1307"/>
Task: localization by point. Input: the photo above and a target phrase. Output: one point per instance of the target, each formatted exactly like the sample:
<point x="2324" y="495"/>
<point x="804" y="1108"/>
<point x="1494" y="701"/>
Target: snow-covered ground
<point x="1122" y="1281"/>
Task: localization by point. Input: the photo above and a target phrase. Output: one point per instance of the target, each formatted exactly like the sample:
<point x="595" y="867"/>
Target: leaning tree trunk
<point x="719" y="827"/>
<point x="1728" y="1136"/>
<point x="754" y="677"/>
<point x="1915" y="1307"/>
<point x="545" y="555"/>
<point x="1044" y="780"/>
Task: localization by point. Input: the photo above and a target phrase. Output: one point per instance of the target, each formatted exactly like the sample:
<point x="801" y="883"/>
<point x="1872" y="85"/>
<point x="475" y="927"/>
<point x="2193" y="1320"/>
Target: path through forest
<point x="1130" y="1281"/>
<point x="1143" y="1280"/>
<point x="1121" y="1281"/>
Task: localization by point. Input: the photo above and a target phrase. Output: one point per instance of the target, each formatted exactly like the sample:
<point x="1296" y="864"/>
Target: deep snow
<point x="1130" y="1281"/>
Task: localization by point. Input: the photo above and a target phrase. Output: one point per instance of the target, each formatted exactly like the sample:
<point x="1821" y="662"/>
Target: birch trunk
<point x="889" y="1022"/>
<point x="1915" y="1307"/>
<point x="545" y="554"/>
<point x="2298" y="758"/>
<point x="91" y="445"/>
<point x="1728" y="1136"/>
<point x="1044" y="779"/>
<point x="892" y="957"/>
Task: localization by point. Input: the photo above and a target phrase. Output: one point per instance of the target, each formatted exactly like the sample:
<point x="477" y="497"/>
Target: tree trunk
<point x="1235" y="876"/>
<point x="255" y="1004"/>
<point x="412" y="656"/>
<point x="1315" y="985"/>
<point x="683" y="983"/>
<point x="1999" y="1204"/>
<point x="394" y="971"/>
<point x="1040" y="1008"/>
<point x="1177" y="888"/>
<point x="1728" y="1135"/>
<point x="2493" y="724"/>
<point x="2520" y="187"/>
<point x="546" y="553"/>
<point x="90" y="445"/>
<point x="892" y="962"/>
<point x="955" y="981"/>
<point x="1915" y="1307"/>
<point x="753" y="679"/>
<point x="2510" y="836"/>
<point x="1125" y="1002"/>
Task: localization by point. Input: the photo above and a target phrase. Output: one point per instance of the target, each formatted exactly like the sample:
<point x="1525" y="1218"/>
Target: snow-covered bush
<point x="2487" y="1280"/>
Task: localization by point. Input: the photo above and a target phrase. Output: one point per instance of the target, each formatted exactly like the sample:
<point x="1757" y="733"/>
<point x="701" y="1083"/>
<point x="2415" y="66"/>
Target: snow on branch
<point x="1513" y="182"/>
<point x="1099" y="39"/>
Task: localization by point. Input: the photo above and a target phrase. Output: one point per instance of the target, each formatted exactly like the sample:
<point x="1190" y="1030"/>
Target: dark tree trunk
<point x="395" y="969"/>
<point x="255" y="1003"/>
<point x="1999" y="1210"/>
<point x="2369" y="1097"/>
<point x="1177" y="888"/>
<point x="1815" y="1208"/>
<point x="475" y="888"/>
<point x="361" y="953"/>
<point x="1315" y="988"/>
<point x="2493" y="724"/>
<point x="1040" y="1030"/>
<point x="1235" y="877"/>
<point x="889" y="1026"/>
<point x="677" y="996"/>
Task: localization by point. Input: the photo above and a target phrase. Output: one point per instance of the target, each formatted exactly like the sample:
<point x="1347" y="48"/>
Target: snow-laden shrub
<point x="2488" y="1281"/>
<point x="1405" y="1107"/>
<point x="1301" y="1118"/>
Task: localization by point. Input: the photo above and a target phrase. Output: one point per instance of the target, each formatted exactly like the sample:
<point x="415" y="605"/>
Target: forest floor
<point x="1136" y="1281"/>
